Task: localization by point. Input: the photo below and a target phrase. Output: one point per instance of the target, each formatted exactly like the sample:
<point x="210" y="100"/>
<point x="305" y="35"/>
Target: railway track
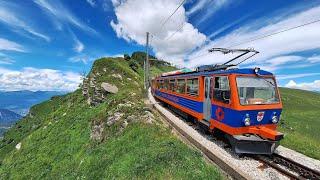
<point x="283" y="165"/>
<point x="278" y="162"/>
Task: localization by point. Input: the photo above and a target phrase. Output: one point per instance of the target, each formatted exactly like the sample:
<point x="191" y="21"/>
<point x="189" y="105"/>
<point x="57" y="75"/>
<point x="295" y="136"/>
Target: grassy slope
<point x="301" y="113"/>
<point x="56" y="139"/>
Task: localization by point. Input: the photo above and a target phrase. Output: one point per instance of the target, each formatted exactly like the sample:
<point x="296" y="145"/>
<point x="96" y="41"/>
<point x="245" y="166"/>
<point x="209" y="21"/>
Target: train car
<point x="244" y="104"/>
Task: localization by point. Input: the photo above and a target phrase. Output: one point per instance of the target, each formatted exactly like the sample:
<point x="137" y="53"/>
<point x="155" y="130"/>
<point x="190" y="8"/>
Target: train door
<point x="207" y="99"/>
<point x="221" y="96"/>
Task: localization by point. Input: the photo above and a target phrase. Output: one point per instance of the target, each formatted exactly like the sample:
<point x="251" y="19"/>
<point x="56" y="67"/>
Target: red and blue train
<point x="244" y="104"/>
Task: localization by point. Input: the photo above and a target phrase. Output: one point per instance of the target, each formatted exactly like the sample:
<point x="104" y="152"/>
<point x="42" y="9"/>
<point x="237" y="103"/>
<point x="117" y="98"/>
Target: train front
<point x="257" y="108"/>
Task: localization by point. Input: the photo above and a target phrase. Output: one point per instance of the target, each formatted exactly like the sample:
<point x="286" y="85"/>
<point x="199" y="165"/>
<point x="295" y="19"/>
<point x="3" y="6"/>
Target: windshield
<point x="257" y="90"/>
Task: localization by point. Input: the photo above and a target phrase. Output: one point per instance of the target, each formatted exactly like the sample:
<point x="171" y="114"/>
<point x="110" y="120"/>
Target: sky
<point x="48" y="44"/>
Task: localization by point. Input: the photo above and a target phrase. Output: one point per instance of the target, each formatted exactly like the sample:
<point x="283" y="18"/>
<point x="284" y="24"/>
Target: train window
<point x="161" y="84"/>
<point x="257" y="90"/>
<point x="166" y="84"/>
<point x="192" y="86"/>
<point x="181" y="86"/>
<point x="171" y="84"/>
<point x="221" y="90"/>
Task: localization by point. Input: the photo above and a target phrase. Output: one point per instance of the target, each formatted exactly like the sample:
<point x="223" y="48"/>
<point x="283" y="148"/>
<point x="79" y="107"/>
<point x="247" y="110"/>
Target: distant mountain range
<point x="7" y="119"/>
<point x="20" y="101"/>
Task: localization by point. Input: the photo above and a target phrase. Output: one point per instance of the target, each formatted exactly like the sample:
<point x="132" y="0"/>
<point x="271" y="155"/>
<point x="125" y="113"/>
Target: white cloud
<point x="78" y="47"/>
<point x="314" y="59"/>
<point x="230" y="25"/>
<point x="58" y="12"/>
<point x="38" y="79"/>
<point x="10" y="16"/>
<point x="6" y="60"/>
<point x="91" y="2"/>
<point x="207" y="8"/>
<point x="85" y="59"/>
<point x="293" y="76"/>
<point x="81" y="58"/>
<point x="10" y="46"/>
<point x="297" y="40"/>
<point x="312" y="86"/>
<point x="136" y="17"/>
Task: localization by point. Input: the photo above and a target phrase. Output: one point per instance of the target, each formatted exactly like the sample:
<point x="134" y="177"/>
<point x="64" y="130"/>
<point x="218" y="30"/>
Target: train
<point x="244" y="104"/>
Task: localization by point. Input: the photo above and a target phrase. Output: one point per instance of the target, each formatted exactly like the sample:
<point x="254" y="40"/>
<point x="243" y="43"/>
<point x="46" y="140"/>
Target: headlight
<point x="247" y="120"/>
<point x="274" y="119"/>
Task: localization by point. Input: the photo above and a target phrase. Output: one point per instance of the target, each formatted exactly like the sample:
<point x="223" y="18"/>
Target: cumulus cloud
<point x="9" y="15"/>
<point x="10" y="46"/>
<point x="312" y="86"/>
<point x="296" y="40"/>
<point x="38" y="79"/>
<point x="136" y="17"/>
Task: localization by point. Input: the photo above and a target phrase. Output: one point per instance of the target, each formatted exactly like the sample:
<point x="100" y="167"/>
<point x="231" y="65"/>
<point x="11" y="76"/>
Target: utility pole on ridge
<point x="146" y="64"/>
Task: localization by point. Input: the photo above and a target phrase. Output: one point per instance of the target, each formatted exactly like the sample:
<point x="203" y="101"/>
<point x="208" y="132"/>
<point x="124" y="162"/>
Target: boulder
<point x="109" y="88"/>
<point x="18" y="146"/>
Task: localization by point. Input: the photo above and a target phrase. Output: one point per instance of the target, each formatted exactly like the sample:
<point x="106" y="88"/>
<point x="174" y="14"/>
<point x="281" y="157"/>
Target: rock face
<point x="112" y="119"/>
<point x="97" y="131"/>
<point x="109" y="88"/>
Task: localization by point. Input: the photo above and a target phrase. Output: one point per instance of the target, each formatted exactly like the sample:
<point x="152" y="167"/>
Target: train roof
<point x="229" y="71"/>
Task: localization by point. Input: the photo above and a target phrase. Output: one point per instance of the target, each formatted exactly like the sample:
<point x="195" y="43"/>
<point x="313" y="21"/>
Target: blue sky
<point x="46" y="44"/>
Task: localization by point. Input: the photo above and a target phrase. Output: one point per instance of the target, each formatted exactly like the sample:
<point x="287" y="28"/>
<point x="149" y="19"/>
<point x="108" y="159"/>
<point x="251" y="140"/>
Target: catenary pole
<point x="147" y="64"/>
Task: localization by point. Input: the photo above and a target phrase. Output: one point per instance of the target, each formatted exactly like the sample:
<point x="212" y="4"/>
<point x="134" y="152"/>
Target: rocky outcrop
<point x="97" y="130"/>
<point x="112" y="119"/>
<point x="109" y="88"/>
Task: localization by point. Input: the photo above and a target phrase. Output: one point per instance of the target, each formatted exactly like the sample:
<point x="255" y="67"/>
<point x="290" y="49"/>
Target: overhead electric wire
<point x="181" y="26"/>
<point x="265" y="36"/>
<point x="182" y="2"/>
<point x="275" y="33"/>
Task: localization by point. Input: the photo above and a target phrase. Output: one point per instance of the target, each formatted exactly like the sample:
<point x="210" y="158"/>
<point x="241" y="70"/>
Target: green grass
<point x="56" y="140"/>
<point x="301" y="118"/>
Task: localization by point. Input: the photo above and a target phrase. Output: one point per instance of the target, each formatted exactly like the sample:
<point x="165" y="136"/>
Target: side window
<point x="161" y="84"/>
<point x="181" y="86"/>
<point x="171" y="84"/>
<point x="221" y="90"/>
<point x="193" y="87"/>
<point x="166" y="84"/>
